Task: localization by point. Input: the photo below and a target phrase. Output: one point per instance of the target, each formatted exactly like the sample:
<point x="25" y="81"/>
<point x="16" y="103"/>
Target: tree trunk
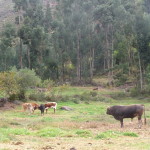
<point x="20" y="55"/>
<point x="29" y="59"/>
<point x="20" y="49"/>
<point x="141" y="75"/>
<point x="78" y="59"/>
<point x="92" y="52"/>
<point x="108" y="53"/>
<point x="112" y="51"/>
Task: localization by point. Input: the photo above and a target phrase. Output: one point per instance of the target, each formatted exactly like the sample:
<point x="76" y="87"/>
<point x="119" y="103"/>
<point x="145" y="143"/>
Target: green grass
<point x="82" y="122"/>
<point x="114" y="134"/>
<point x="84" y="133"/>
<point x="8" y="134"/>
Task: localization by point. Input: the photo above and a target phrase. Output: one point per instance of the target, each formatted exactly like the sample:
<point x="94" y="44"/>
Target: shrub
<point x="134" y="91"/>
<point x="76" y="101"/>
<point x="37" y="96"/>
<point x="13" y="97"/>
<point x="118" y="95"/>
<point x="85" y="96"/>
<point x="63" y="98"/>
<point x="93" y="94"/>
<point x="27" y="78"/>
<point x="8" y="83"/>
<point x="49" y="84"/>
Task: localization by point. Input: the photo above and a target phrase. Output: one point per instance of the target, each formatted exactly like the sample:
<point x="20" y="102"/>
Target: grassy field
<point x="87" y="127"/>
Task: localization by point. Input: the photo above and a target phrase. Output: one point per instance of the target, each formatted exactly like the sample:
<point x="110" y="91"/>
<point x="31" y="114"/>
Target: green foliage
<point x="6" y="133"/>
<point x="52" y="132"/>
<point x="135" y="92"/>
<point x="84" y="133"/>
<point x="8" y="83"/>
<point x="93" y="94"/>
<point x="114" y="134"/>
<point x="49" y="84"/>
<point x="148" y="75"/>
<point x="37" y="96"/>
<point x="118" y="95"/>
<point x="130" y="134"/>
<point x="79" y="40"/>
<point x="27" y="78"/>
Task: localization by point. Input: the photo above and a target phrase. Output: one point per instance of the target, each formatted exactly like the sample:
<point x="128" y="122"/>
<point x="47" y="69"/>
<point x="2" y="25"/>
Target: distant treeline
<point x="75" y="40"/>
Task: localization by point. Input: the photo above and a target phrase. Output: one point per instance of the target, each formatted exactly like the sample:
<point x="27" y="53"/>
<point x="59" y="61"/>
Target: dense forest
<point x="77" y="40"/>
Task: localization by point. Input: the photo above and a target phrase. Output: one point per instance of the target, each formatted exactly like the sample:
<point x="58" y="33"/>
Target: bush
<point x="8" y="83"/>
<point x="27" y="78"/>
<point x="76" y="101"/>
<point x="13" y="97"/>
<point x="63" y="98"/>
<point x="48" y="84"/>
<point x="85" y="96"/>
<point x="118" y="95"/>
<point x="134" y="92"/>
<point x="37" y="96"/>
<point x="93" y="94"/>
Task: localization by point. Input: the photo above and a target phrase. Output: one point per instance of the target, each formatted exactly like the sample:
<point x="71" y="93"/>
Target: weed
<point x="114" y="134"/>
<point x="84" y="133"/>
<point x="130" y="134"/>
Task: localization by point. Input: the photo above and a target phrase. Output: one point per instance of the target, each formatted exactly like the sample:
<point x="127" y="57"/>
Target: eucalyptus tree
<point x="7" y="57"/>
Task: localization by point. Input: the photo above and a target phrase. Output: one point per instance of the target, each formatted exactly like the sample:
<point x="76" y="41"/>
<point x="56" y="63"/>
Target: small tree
<point x="8" y="83"/>
<point x="27" y="78"/>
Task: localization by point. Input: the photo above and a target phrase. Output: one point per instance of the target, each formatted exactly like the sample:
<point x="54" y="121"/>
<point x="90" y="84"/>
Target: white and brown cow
<point x="50" y="105"/>
<point x="30" y="107"/>
<point x="120" y="112"/>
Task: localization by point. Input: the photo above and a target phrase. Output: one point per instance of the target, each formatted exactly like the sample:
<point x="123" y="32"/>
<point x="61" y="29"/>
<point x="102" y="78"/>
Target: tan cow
<point x="30" y="107"/>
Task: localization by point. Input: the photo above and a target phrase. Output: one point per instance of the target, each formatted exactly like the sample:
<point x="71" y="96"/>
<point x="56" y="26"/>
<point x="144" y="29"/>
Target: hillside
<point x="7" y="13"/>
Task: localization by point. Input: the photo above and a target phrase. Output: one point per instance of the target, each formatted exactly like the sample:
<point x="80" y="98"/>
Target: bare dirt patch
<point x="8" y="106"/>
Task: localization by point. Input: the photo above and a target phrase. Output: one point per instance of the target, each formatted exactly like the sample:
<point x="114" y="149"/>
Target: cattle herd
<point x="31" y="107"/>
<point x="119" y="112"/>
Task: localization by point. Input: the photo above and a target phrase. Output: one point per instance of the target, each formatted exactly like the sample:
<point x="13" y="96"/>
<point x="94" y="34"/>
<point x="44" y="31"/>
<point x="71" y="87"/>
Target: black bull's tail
<point x="144" y="115"/>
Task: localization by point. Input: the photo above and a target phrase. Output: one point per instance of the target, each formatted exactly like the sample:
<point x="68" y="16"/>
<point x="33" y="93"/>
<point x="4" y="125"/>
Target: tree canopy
<point x="71" y="40"/>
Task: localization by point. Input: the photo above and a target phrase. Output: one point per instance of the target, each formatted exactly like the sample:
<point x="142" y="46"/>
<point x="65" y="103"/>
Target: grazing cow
<point x="50" y="105"/>
<point x="120" y="112"/>
<point x="96" y="88"/>
<point x="42" y="108"/>
<point x="28" y="107"/>
<point x="35" y="106"/>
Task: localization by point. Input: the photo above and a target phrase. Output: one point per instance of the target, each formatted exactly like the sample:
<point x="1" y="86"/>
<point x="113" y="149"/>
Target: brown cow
<point x="30" y="107"/>
<point x="35" y="106"/>
<point x="50" y="105"/>
<point x="131" y="111"/>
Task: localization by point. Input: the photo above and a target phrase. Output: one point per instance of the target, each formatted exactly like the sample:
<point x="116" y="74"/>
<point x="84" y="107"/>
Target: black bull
<point x="120" y="112"/>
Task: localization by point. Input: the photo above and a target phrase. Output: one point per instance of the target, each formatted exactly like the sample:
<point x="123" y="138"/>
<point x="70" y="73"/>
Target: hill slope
<point x="7" y="13"/>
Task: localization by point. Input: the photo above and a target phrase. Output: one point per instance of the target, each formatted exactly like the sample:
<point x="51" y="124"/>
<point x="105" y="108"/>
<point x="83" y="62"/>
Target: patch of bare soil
<point x="8" y="106"/>
<point x="73" y="143"/>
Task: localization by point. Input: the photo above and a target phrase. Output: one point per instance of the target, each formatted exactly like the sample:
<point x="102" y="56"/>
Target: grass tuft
<point x="114" y="134"/>
<point x="84" y="133"/>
